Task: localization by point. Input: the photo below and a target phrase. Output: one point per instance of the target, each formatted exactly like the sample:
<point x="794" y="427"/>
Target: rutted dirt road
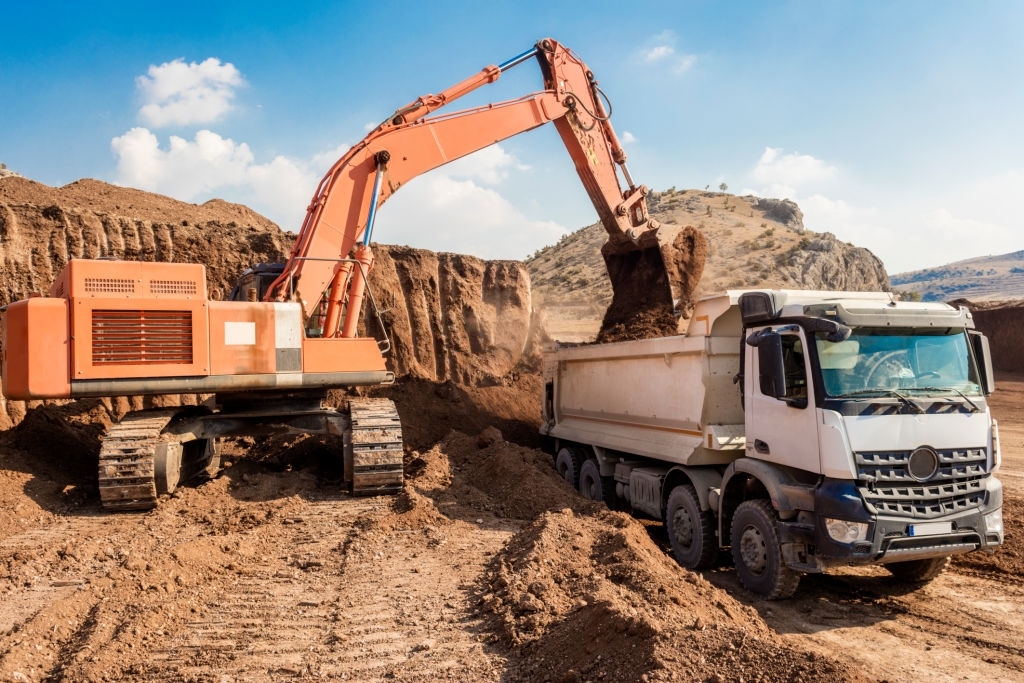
<point x="488" y="567"/>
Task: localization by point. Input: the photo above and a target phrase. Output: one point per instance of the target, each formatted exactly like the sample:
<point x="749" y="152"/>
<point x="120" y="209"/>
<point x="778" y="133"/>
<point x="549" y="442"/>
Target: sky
<point x="897" y="126"/>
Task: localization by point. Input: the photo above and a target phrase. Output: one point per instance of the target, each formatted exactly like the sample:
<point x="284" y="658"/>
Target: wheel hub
<point x="753" y="550"/>
<point x="682" y="528"/>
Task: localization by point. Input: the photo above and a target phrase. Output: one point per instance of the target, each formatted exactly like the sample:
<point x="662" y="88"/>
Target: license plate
<point x="931" y="529"/>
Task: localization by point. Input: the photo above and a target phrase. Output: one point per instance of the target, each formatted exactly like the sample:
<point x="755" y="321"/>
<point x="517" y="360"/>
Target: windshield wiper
<point x="974" y="406"/>
<point x="903" y="398"/>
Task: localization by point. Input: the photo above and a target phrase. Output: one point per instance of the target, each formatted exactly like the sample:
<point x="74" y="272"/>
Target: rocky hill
<point x="753" y="242"/>
<point x="986" y="278"/>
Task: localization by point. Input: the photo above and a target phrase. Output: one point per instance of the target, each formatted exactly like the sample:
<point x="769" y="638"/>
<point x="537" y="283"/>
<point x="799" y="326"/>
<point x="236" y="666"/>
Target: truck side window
<point x="796" y="370"/>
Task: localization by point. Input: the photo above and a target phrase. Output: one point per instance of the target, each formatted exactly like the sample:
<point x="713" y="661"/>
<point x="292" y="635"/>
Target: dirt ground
<point x="487" y="567"/>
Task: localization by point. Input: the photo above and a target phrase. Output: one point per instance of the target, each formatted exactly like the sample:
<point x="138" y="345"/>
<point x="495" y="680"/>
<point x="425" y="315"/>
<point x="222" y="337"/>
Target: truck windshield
<point x="919" y="362"/>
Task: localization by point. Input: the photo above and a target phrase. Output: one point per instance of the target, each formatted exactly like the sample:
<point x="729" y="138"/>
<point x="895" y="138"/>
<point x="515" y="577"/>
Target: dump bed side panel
<point x="644" y="397"/>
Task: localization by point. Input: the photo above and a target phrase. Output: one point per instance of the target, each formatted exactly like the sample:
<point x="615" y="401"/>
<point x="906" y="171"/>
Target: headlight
<point x="845" y="531"/>
<point x="994" y="522"/>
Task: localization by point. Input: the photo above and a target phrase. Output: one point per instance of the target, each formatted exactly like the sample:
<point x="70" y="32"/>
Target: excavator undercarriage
<point x="151" y="452"/>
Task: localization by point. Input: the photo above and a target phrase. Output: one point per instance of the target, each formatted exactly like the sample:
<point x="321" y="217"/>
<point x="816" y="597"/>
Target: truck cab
<point x="800" y="429"/>
<point x="877" y="410"/>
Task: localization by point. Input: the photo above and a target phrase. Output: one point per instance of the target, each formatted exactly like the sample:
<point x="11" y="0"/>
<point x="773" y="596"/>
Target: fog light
<point x="845" y="531"/>
<point x="994" y="522"/>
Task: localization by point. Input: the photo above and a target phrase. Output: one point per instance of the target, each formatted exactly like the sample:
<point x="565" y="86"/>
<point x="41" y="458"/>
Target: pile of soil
<point x="590" y="597"/>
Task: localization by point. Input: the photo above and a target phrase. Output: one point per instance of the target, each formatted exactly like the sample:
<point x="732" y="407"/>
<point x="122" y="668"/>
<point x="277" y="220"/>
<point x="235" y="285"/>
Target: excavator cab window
<point x="255" y="282"/>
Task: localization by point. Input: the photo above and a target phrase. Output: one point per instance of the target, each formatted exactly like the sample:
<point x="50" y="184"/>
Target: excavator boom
<point x="651" y="265"/>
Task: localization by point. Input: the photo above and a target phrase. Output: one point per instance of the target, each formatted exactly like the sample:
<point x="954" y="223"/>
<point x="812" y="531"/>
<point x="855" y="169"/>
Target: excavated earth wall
<point x="450" y="317"/>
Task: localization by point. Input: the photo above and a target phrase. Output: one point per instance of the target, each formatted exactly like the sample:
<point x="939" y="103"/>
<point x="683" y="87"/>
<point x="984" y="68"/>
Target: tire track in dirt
<point x="940" y="630"/>
<point x="407" y="612"/>
<point x="33" y="580"/>
<point x="273" y="616"/>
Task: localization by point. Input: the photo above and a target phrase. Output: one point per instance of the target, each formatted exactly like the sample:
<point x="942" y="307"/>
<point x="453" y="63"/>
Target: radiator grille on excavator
<point x="109" y="285"/>
<point x="185" y="287"/>
<point x="141" y="337"/>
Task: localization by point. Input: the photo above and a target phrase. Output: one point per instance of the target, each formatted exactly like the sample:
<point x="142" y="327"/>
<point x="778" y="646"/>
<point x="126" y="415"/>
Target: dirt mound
<point x="590" y="597"/>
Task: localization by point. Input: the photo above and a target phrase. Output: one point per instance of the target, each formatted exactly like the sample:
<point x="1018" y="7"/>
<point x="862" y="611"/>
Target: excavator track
<point x="373" y="447"/>
<point x="127" y="478"/>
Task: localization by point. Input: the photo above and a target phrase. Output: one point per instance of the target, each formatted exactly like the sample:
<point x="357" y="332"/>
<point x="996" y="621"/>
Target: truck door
<point x="781" y="424"/>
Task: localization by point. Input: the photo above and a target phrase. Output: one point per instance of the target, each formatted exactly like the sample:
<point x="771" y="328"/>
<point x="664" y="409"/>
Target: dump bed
<point x="669" y="398"/>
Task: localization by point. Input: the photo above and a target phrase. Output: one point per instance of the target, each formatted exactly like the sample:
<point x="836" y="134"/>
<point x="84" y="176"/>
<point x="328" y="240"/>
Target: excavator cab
<point x="255" y="282"/>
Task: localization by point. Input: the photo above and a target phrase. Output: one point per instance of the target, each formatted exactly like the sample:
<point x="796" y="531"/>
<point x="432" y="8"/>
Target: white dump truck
<point x="801" y="429"/>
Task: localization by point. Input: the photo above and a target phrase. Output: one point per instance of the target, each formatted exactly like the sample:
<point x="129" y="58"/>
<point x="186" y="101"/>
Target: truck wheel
<point x="593" y="486"/>
<point x="691" y="531"/>
<point x="568" y="463"/>
<point x="918" y="571"/>
<point x="757" y="553"/>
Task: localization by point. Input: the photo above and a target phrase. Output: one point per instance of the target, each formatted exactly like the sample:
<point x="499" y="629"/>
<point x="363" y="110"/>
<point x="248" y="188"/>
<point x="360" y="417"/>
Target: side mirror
<point x="770" y="369"/>
<point x="983" y="355"/>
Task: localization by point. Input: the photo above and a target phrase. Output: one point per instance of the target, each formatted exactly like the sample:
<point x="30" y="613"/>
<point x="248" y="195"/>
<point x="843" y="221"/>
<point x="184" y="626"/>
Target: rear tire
<point x="568" y="463"/>
<point x="918" y="571"/>
<point x="757" y="554"/>
<point x="691" y="530"/>
<point x="593" y="486"/>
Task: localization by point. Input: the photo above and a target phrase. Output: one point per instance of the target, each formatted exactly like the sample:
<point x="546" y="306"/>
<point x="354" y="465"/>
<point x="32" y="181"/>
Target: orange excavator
<point x="289" y="332"/>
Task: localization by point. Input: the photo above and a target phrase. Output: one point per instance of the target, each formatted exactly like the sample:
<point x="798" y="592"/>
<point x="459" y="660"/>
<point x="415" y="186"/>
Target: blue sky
<point x="895" y="125"/>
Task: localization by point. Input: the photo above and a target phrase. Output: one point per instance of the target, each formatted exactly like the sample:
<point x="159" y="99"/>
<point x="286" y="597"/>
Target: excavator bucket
<point x="653" y="282"/>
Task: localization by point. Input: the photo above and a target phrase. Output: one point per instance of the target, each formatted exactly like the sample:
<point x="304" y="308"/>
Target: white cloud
<point x="186" y="169"/>
<point x="441" y="213"/>
<point x="455" y="208"/>
<point x="627" y="137"/>
<point x="490" y="165"/>
<point x="210" y="165"/>
<point x="176" y="93"/>
<point x="787" y="175"/>
<point x="907" y="231"/>
<point x="658" y="53"/>
<point x="660" y="50"/>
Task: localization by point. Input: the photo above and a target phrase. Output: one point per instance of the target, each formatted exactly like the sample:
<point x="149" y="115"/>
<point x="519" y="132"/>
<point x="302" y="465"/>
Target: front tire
<point x="918" y="571"/>
<point x="757" y="553"/>
<point x="691" y="530"/>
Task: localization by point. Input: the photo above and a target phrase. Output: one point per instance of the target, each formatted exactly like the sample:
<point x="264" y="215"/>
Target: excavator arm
<point x="332" y="252"/>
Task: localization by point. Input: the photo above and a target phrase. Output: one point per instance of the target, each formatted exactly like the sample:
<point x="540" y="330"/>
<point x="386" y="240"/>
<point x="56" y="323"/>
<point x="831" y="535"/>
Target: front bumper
<point x="807" y="545"/>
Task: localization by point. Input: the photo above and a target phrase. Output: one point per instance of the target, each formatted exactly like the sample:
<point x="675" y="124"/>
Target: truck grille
<point x="141" y="337"/>
<point x="888" y="488"/>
